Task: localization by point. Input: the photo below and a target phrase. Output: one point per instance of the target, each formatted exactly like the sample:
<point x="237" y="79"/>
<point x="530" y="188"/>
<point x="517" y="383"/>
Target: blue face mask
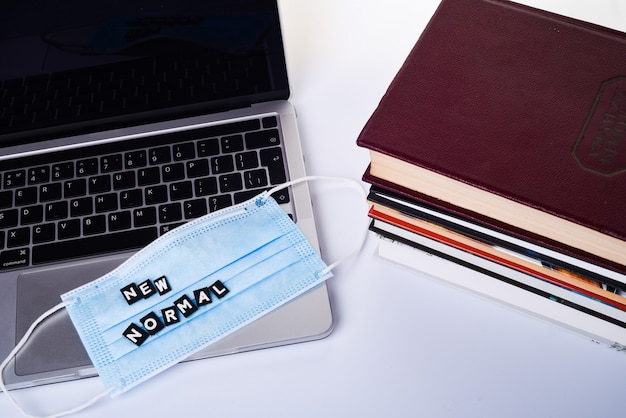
<point x="189" y="289"/>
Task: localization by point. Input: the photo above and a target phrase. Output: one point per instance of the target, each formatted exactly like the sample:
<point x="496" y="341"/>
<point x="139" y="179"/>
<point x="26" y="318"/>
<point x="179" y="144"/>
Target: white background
<point x="404" y="345"/>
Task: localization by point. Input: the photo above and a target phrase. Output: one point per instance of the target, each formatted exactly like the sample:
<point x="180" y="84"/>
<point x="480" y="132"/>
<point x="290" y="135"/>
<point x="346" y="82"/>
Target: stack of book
<point x="501" y="145"/>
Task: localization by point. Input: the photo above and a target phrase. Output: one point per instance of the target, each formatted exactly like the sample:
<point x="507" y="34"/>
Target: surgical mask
<point x="190" y="288"/>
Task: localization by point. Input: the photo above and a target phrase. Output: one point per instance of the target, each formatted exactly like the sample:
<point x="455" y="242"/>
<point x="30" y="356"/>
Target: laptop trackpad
<point x="54" y="345"/>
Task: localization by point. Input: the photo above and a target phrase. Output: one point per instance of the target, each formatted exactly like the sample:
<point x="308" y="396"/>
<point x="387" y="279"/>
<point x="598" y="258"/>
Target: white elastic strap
<point x="352" y="183"/>
<point x="19" y="346"/>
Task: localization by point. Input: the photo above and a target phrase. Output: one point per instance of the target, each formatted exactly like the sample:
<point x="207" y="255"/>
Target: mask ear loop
<point x="19" y="346"/>
<point x="352" y="183"/>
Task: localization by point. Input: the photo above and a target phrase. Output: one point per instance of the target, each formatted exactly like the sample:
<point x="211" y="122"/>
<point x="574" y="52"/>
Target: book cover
<point x="523" y="105"/>
<point x="385" y="188"/>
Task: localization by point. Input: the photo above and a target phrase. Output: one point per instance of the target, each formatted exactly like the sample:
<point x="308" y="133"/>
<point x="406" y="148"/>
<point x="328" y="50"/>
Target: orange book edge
<point x="483" y="250"/>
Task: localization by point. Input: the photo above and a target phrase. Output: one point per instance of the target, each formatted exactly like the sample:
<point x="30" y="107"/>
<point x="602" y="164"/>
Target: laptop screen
<point x="73" y="66"/>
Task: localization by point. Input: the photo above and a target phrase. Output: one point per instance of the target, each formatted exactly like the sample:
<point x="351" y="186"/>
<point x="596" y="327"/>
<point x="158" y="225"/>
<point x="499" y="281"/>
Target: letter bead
<point x="219" y="289"/>
<point x="135" y="334"/>
<point x="152" y="323"/>
<point x="146" y="288"/>
<point x="131" y="293"/>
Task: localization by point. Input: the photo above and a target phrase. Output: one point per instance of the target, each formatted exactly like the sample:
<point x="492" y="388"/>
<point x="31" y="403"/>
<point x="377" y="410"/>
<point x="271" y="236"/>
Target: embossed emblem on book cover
<point x="601" y="146"/>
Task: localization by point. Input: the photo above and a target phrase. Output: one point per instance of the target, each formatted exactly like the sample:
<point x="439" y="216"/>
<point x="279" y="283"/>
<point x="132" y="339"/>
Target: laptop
<point x="119" y="121"/>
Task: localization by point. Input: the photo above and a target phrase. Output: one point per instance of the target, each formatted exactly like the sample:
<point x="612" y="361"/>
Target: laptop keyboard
<point x="120" y="196"/>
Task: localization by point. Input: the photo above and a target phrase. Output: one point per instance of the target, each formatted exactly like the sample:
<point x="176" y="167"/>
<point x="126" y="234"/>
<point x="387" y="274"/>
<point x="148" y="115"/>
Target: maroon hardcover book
<point x="521" y="103"/>
<point x="444" y="207"/>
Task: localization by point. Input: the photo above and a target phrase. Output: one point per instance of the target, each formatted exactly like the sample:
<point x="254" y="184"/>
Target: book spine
<point x="478" y="283"/>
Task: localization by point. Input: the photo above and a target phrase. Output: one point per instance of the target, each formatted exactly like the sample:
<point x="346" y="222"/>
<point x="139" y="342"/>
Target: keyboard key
<point x="270" y="122"/>
<point x="147" y="176"/>
<point x="181" y="190"/>
<point x="100" y="184"/>
<point x="49" y="192"/>
<point x="246" y="160"/>
<point x="173" y="172"/>
<point x="160" y="155"/>
<point x="92" y="245"/>
<point x="81" y="207"/>
<point x="106" y="203"/>
<point x="164" y="229"/>
<point x="124" y="180"/>
<point x="14" y="179"/>
<point x="94" y="225"/>
<point x="87" y="167"/>
<point x="131" y="199"/>
<point x="195" y="208"/>
<point x="119" y="221"/>
<point x="262" y="139"/>
<point x="184" y="151"/>
<point x="43" y="233"/>
<point x="206" y="186"/>
<point x="222" y="164"/>
<point x="26" y="196"/>
<point x="56" y="210"/>
<point x="6" y="199"/>
<point x="68" y="229"/>
<point x="135" y="159"/>
<point x="62" y="171"/>
<point x="171" y="212"/>
<point x="111" y="163"/>
<point x="8" y="218"/>
<point x="230" y="182"/>
<point x="197" y="168"/>
<point x="280" y="196"/>
<point x="31" y="215"/>
<point x="208" y="147"/>
<point x="255" y="179"/>
<point x="74" y="188"/>
<point x="272" y="158"/>
<point x="14" y="258"/>
<point x="156" y="194"/>
<point x="144" y="217"/>
<point x="233" y="143"/>
<point x="246" y="195"/>
<point x="18" y="237"/>
<point x="220" y="202"/>
<point x="39" y="175"/>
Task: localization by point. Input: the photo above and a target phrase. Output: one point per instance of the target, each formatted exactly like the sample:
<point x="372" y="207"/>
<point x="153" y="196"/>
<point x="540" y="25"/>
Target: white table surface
<point x="404" y="344"/>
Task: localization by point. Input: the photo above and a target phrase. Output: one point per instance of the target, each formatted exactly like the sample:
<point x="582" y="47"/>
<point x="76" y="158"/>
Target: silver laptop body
<point x="35" y="271"/>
